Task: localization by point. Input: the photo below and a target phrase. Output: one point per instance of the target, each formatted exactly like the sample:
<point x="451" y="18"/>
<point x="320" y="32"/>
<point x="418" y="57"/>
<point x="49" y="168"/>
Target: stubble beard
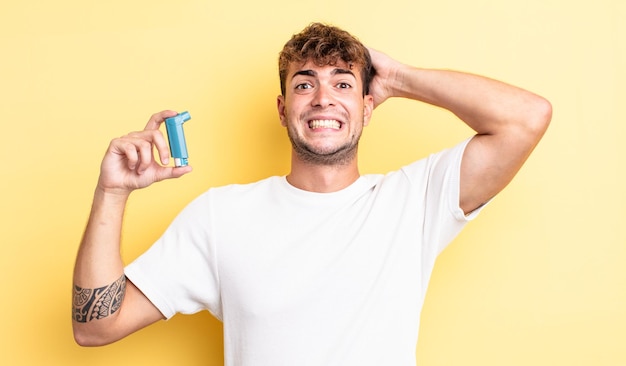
<point x="340" y="155"/>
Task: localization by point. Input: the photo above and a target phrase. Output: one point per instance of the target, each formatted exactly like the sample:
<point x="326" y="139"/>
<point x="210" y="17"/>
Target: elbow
<point x="84" y="341"/>
<point x="86" y="338"/>
<point x="540" y="117"/>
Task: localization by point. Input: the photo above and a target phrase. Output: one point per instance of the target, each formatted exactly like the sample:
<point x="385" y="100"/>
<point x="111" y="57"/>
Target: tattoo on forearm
<point x="89" y="304"/>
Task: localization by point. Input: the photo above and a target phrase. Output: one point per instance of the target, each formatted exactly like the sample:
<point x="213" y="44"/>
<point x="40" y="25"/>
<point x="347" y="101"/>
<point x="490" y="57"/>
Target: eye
<point x="344" y="85"/>
<point x="304" y="86"/>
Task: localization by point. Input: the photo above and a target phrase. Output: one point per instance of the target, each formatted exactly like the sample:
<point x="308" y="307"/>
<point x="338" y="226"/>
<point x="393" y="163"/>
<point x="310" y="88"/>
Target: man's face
<point x="324" y="111"/>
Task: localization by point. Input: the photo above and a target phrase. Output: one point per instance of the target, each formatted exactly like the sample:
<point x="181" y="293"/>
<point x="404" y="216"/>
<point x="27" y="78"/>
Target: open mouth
<point x="325" y="123"/>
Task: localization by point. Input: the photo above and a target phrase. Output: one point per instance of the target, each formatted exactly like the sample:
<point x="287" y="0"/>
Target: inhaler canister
<point x="176" y="137"/>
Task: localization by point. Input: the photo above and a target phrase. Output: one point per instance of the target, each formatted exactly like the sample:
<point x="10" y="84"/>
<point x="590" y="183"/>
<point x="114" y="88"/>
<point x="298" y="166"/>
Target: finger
<point x="180" y="171"/>
<point x="172" y="172"/>
<point x="136" y="148"/>
<point x="129" y="150"/>
<point x="155" y="137"/>
<point x="162" y="147"/>
<point x="144" y="150"/>
<point x="156" y="119"/>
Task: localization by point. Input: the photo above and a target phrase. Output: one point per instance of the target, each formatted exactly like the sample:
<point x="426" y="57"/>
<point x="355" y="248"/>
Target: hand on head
<point x="381" y="86"/>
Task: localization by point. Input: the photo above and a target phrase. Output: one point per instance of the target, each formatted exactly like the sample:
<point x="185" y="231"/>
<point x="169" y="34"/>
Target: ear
<point x="368" y="108"/>
<point x="280" y="104"/>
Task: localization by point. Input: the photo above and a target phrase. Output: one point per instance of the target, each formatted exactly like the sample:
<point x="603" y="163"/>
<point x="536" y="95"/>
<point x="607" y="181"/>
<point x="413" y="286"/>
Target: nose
<point x="323" y="97"/>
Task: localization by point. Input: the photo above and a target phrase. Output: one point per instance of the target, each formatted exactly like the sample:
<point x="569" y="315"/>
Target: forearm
<point x="487" y="106"/>
<point x="99" y="283"/>
<point x="98" y="257"/>
<point x="106" y="307"/>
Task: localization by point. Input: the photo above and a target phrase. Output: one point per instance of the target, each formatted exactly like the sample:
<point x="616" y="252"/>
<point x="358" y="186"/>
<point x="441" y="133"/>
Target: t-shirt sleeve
<point x="178" y="273"/>
<point x="439" y="182"/>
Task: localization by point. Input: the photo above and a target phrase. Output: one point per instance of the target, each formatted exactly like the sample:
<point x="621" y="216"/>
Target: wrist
<point x="405" y="79"/>
<point x="111" y="195"/>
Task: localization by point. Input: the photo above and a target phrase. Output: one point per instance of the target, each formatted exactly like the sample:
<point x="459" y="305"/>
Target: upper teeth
<point x="325" y="123"/>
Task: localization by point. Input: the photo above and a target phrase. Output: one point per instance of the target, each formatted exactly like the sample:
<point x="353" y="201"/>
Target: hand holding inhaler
<point x="176" y="138"/>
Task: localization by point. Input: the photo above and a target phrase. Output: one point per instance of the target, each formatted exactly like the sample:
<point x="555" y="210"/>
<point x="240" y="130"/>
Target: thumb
<point x="173" y="172"/>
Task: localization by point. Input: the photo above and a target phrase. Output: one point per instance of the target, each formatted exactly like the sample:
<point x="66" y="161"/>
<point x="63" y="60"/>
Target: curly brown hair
<point x="325" y="45"/>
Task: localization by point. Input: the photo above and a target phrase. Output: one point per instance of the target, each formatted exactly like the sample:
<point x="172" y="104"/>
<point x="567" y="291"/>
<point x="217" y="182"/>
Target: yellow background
<point x="538" y="279"/>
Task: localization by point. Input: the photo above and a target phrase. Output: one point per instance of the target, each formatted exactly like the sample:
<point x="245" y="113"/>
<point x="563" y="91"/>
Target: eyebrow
<point x="337" y="71"/>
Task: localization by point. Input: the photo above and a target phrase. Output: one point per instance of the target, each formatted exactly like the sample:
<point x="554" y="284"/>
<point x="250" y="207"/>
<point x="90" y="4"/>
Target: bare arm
<point x="107" y="307"/>
<point x="509" y="121"/>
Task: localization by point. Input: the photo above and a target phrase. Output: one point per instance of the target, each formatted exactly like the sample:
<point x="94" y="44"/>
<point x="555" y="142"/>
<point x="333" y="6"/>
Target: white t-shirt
<point x="303" y="278"/>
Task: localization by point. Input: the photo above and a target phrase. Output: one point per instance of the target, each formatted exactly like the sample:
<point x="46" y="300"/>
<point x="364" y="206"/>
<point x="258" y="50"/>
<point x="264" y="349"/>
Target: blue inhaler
<point x="176" y="137"/>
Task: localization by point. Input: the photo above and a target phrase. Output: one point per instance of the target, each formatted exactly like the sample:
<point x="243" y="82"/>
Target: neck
<point x="322" y="178"/>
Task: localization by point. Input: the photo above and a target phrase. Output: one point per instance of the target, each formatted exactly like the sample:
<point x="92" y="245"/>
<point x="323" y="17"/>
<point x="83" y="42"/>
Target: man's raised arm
<point x="509" y="121"/>
<point x="105" y="306"/>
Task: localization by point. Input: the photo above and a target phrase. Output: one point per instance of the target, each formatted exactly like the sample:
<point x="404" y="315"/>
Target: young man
<point x="323" y="266"/>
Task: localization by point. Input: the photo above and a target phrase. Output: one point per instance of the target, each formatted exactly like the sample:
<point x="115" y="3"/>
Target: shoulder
<point x="444" y="162"/>
<point x="238" y="194"/>
<point x="243" y="188"/>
